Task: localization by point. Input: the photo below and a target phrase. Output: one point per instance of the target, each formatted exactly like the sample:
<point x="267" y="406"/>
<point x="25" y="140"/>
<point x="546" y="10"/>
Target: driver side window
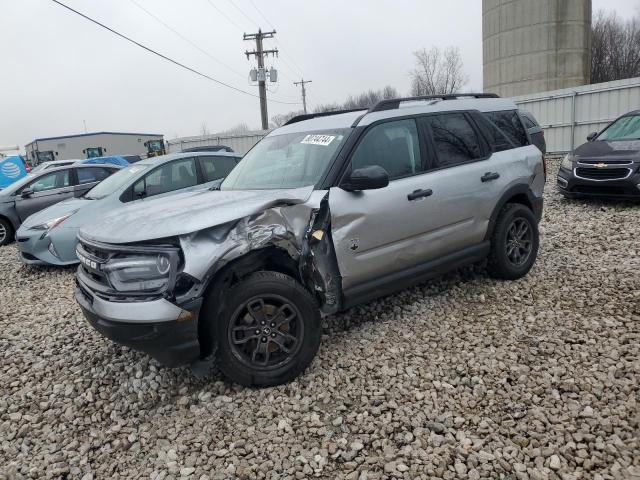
<point x="394" y="146"/>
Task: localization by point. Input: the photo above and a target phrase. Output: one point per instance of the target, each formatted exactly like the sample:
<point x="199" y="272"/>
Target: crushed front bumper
<point x="152" y="327"/>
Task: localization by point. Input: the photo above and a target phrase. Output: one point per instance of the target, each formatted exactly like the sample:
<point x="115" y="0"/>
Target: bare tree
<point x="281" y="119"/>
<point x="438" y="72"/>
<point x="615" y="47"/>
<point x="362" y="100"/>
<point x="237" y="130"/>
<point x="204" y="130"/>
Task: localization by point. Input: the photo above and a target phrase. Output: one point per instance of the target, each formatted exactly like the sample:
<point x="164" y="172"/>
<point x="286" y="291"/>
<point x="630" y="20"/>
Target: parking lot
<point x="465" y="377"/>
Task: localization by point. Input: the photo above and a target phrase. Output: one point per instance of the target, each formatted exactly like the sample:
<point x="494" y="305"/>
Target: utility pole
<point x="304" y="92"/>
<point x="260" y="53"/>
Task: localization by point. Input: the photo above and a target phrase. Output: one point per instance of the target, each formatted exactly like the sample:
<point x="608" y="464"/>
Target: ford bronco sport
<point x="324" y="213"/>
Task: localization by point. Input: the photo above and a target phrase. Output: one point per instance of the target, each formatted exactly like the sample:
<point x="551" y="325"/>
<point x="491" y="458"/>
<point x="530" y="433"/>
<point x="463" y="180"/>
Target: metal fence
<point x="240" y="143"/>
<point x="569" y="115"/>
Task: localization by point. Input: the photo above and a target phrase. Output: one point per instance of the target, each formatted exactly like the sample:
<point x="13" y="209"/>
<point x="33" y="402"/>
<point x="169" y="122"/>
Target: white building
<point x="87" y="145"/>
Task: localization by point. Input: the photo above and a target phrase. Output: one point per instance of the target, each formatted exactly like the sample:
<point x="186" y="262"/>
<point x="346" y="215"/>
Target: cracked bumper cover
<point x="155" y="331"/>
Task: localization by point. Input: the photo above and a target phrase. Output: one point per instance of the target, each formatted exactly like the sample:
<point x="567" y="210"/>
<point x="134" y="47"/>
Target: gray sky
<point x="58" y="69"/>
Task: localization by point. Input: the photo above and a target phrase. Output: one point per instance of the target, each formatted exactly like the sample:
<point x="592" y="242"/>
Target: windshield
<point x="39" y="168"/>
<point x="291" y="160"/>
<point x="114" y="182"/>
<point x="625" y="128"/>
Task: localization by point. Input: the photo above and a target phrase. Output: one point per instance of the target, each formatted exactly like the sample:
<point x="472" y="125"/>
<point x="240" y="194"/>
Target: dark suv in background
<point x="607" y="165"/>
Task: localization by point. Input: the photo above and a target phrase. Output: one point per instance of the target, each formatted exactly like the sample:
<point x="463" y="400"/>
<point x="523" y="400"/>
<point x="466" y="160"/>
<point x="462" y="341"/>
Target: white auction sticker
<point x="318" y="139"/>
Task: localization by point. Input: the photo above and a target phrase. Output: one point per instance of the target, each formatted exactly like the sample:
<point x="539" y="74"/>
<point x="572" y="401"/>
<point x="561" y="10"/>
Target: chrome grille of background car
<point x="592" y="173"/>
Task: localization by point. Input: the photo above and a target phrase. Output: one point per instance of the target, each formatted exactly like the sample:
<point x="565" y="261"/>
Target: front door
<point x="376" y="232"/>
<point x="46" y="190"/>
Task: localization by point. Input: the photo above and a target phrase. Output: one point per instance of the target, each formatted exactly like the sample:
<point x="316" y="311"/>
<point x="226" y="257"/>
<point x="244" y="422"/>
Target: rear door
<point x="89" y="177"/>
<point x="467" y="179"/>
<point x="47" y="189"/>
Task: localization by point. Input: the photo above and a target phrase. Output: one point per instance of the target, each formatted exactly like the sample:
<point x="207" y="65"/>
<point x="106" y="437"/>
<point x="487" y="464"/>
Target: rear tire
<point x="6" y="232"/>
<point x="268" y="331"/>
<point x="514" y="243"/>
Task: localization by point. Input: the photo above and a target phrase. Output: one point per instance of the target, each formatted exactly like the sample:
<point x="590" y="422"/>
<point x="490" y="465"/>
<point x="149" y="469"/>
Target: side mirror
<point x="591" y="137"/>
<point x="366" y="178"/>
<point x="26" y="193"/>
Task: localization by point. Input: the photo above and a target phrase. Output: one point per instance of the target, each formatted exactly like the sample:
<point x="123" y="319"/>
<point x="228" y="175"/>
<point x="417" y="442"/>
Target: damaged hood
<point x="187" y="212"/>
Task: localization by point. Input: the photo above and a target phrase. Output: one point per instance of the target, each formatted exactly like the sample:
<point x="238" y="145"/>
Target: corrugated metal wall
<point x="240" y="143"/>
<point x="569" y="115"/>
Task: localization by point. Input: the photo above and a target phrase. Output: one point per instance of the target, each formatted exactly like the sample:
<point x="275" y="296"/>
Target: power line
<point x="289" y="66"/>
<point x="244" y="14"/>
<point x="168" y="27"/>
<point x="163" y="56"/>
<point x="262" y="14"/>
<point x="226" y="16"/>
<point x="295" y="65"/>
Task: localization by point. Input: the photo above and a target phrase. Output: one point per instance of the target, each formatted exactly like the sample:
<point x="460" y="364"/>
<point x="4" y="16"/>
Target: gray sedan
<point x="42" y="189"/>
<point x="50" y="236"/>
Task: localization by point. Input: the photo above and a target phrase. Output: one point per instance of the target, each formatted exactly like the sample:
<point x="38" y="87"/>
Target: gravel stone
<point x="463" y="377"/>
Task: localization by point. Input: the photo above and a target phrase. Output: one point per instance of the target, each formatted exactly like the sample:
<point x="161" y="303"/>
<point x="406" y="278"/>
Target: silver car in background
<point x="50" y="236"/>
<point x="39" y="190"/>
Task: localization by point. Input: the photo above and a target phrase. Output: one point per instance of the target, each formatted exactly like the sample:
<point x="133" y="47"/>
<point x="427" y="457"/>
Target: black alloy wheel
<point x="265" y="332"/>
<point x="519" y="241"/>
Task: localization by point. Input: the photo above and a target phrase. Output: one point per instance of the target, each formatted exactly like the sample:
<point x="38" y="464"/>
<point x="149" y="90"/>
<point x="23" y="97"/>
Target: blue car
<point x="110" y="160"/>
<point x="11" y="169"/>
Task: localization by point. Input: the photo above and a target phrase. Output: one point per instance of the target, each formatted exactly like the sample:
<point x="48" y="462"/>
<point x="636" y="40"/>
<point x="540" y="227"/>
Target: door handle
<point x="416" y="194"/>
<point x="64" y="191"/>
<point x="487" y="177"/>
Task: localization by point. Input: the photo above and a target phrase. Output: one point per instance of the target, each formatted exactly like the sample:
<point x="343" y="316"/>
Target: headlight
<point x="54" y="222"/>
<point x="567" y="162"/>
<point x="141" y="273"/>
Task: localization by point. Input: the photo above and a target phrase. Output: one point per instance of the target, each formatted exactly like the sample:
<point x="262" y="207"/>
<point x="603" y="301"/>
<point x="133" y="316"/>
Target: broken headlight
<point x="142" y="272"/>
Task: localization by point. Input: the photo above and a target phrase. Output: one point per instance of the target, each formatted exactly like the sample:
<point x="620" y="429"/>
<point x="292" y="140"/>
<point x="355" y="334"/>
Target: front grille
<point x="97" y="279"/>
<point x="602" y="173"/>
<point x="608" y="162"/>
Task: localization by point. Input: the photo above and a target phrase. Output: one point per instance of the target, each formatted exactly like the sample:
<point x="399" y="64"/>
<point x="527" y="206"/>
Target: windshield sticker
<point x="323" y="140"/>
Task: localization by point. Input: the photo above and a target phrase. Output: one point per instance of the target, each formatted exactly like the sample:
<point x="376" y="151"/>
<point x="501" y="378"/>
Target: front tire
<point x="268" y="332"/>
<point x="6" y="232"/>
<point x="514" y="243"/>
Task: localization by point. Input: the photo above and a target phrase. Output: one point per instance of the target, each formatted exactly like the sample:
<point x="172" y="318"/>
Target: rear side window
<point x="171" y="176"/>
<point x="91" y="175"/>
<point x="509" y="122"/>
<point x="215" y="168"/>
<point x="394" y="146"/>
<point x="454" y="139"/>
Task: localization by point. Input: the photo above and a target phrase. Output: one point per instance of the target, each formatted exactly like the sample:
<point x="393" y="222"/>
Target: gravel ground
<point x="465" y="377"/>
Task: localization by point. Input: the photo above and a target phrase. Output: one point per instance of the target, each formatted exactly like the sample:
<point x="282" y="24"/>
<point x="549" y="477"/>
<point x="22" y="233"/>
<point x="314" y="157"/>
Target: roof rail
<point x="308" y="116"/>
<point x="394" y="103"/>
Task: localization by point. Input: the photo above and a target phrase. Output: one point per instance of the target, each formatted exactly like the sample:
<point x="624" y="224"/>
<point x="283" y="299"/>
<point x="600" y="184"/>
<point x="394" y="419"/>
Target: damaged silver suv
<point x="326" y="212"/>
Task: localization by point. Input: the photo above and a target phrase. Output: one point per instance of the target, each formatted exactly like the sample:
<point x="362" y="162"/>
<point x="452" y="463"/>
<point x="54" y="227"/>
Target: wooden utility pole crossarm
<point x="302" y="83"/>
<point x="260" y="53"/>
